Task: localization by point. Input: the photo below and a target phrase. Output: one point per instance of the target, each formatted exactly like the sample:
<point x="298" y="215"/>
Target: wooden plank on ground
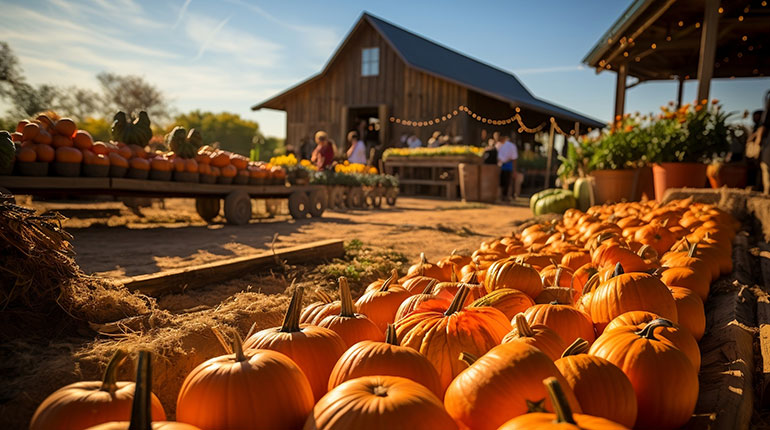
<point x="26" y="183"/>
<point x="196" y="276"/>
<point x="193" y="189"/>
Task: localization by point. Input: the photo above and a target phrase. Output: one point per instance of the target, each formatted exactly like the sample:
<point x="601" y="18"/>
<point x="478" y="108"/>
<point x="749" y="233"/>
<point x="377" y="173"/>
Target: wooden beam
<point x="651" y="20"/>
<point x="708" y="46"/>
<point x="620" y="92"/>
<point x="178" y="280"/>
<point x="549" y="159"/>
<point x="679" y="92"/>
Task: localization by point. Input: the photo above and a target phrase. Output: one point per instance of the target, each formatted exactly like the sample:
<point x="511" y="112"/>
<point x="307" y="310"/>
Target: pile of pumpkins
<point x="51" y="145"/>
<point x="588" y="322"/>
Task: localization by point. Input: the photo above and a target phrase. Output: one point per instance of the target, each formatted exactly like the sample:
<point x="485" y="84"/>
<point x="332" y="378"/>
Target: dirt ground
<point x="112" y="241"/>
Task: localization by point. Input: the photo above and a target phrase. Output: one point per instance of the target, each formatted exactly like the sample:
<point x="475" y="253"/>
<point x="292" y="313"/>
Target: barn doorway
<point x="369" y="121"/>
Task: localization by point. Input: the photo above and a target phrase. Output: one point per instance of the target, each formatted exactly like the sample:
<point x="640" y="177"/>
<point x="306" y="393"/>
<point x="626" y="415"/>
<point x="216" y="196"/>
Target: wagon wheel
<point x="318" y="202"/>
<point x="355" y="197"/>
<point x="299" y="205"/>
<point x="207" y="207"/>
<point x="374" y="198"/>
<point x="390" y="196"/>
<point x="338" y="198"/>
<point x="238" y="208"/>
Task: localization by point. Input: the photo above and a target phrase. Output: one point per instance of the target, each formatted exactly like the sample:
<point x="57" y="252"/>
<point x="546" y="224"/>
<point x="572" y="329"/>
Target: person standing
<point x="507" y="155"/>
<point x="357" y="151"/>
<point x="323" y="154"/>
<point x="413" y="141"/>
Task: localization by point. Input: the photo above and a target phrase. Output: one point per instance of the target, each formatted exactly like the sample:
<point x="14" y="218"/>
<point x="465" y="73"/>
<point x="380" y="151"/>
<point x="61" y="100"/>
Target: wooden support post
<point x="679" y="92"/>
<point x="620" y="93"/>
<point x="550" y="155"/>
<point x="708" y="46"/>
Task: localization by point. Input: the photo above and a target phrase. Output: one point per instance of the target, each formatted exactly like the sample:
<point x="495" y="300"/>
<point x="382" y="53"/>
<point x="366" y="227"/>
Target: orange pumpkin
<point x="439" y="335"/>
<point x="45" y="153"/>
<point x="139" y="163"/>
<point x="219" y="159"/>
<point x="59" y="141"/>
<point x="30" y="131"/>
<point x="417" y="284"/>
<point x="100" y="148"/>
<point x="689" y="308"/>
<point x="664" y="380"/>
<point x="84" y="404"/>
<point x="317" y="311"/>
<point x="65" y="127"/>
<point x="26" y="155"/>
<point x="425" y="268"/>
<point x="190" y="165"/>
<point x="413" y="302"/>
<point x="124" y="151"/>
<point x="510" y="274"/>
<point x="43" y="137"/>
<point x="68" y="155"/>
<point x="83" y="140"/>
<point x="142" y="410"/>
<point x="610" y="254"/>
<point x="381" y="305"/>
<point x="507" y="300"/>
<point x="502" y="384"/>
<point x="161" y="164"/>
<point x="314" y="349"/>
<point x="562" y="418"/>
<point x="229" y="171"/>
<point x="117" y="160"/>
<point x="655" y="235"/>
<point x="351" y="326"/>
<point x="569" y="323"/>
<point x="368" y="358"/>
<point x="379" y="403"/>
<point x="601" y="388"/>
<point x="630" y="292"/>
<point x="699" y="282"/>
<point x="220" y="394"/>
<point x="137" y="151"/>
<point x="540" y="336"/>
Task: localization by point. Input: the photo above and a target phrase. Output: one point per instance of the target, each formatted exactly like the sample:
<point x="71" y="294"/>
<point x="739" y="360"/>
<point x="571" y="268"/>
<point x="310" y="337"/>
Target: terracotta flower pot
<point x="677" y="175"/>
<point x="613" y="185"/>
<point x="731" y="175"/>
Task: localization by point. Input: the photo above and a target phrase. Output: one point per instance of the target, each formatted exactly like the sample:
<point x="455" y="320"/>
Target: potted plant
<point x="683" y="141"/>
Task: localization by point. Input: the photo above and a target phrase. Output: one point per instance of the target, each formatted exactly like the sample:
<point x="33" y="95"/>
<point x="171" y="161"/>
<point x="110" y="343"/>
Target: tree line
<point x="93" y="110"/>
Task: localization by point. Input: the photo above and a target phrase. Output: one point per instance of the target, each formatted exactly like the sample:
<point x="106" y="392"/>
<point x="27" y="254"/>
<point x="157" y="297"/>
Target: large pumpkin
<point x="562" y="418"/>
<point x="220" y="393"/>
<point x="367" y="358"/>
<point x="507" y="300"/>
<point x="141" y="414"/>
<point x="630" y="292"/>
<point x="502" y="384"/>
<point x="568" y="322"/>
<point x="314" y="349"/>
<point x="379" y="403"/>
<point x="382" y="304"/>
<point x="601" y="388"/>
<point x="664" y="380"/>
<point x="84" y="404"/>
<point x="538" y="335"/>
<point x="510" y="274"/>
<point x="440" y="336"/>
<point x="351" y="326"/>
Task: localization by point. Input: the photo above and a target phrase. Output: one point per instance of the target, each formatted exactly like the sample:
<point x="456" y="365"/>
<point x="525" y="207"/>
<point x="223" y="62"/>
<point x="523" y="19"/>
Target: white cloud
<point x="182" y="12"/>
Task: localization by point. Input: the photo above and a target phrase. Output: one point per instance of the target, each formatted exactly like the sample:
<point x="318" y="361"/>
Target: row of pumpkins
<point x="51" y="139"/>
<point x="591" y="322"/>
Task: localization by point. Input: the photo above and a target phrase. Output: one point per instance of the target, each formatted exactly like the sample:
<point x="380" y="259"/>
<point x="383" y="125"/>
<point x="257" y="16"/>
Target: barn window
<point x="370" y="62"/>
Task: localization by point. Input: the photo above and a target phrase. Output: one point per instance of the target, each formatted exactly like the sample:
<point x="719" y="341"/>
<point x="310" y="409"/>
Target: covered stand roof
<point x="661" y="39"/>
<point x="432" y="58"/>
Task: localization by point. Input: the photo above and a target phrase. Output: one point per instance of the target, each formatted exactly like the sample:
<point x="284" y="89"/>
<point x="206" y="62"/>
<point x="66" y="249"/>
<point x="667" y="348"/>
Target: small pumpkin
<point x="65" y="127"/>
<point x="26" y="155"/>
<point x="351" y="326"/>
<point x="117" y="160"/>
<point x="413" y="302"/>
<point x="417" y="284"/>
<point x="562" y="418"/>
<point x="59" y="141"/>
<point x="314" y="349"/>
<point x="507" y="300"/>
<point x="317" y="311"/>
<point x="45" y="153"/>
<point x="161" y="164"/>
<point x="570" y="323"/>
<point x="382" y="304"/>
<point x="368" y="358"/>
<point x="509" y="273"/>
<point x="690" y="311"/>
<point x="540" y="336"/>
<point x="68" y="155"/>
<point x="379" y="402"/>
<point x="83" y="140"/>
<point x="425" y="268"/>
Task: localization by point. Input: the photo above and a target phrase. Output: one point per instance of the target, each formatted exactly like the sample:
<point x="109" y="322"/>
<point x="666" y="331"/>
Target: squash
<point x="7" y="152"/>
<point x="220" y="393"/>
<point x="368" y="358"/>
<point x="68" y="155"/>
<point x="184" y="144"/>
<point x="314" y="349"/>
<point x="554" y="200"/>
<point x="131" y="132"/>
<point x="502" y="384"/>
<point x="84" y="404"/>
<point x="351" y="326"/>
<point x="379" y="403"/>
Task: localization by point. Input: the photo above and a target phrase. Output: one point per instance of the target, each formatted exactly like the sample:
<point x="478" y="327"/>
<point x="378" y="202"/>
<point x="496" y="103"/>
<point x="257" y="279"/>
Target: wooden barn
<point x="382" y="75"/>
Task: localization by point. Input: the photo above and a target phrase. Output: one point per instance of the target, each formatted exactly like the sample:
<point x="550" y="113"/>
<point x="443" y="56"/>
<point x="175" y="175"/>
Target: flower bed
<point x="459" y="151"/>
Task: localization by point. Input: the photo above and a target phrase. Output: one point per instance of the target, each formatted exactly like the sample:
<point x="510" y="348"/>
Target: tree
<point x="10" y="71"/>
<point x="131" y="94"/>
<point x="78" y="103"/>
<point x="231" y="131"/>
<point x="26" y="99"/>
<point x="271" y="147"/>
<point x="98" y="127"/>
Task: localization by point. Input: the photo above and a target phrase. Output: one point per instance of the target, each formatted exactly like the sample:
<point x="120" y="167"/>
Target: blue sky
<point x="229" y="54"/>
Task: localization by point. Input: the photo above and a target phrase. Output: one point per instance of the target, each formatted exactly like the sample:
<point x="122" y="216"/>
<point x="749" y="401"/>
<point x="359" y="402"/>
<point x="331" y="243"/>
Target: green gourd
<point x="552" y="200"/>
<point x="184" y="144"/>
<point x="7" y="153"/>
<point x="583" y="191"/>
<point x="131" y="131"/>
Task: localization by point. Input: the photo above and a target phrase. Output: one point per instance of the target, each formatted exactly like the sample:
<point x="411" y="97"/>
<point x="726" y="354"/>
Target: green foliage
<point x="362" y="263"/>
<point x="271" y="147"/>
<point x="233" y="133"/>
<point x="326" y="177"/>
<point x="697" y="133"/>
<point x="98" y="127"/>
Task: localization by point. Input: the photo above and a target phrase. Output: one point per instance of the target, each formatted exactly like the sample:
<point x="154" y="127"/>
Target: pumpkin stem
<point x="693" y="250"/>
<point x="458" y="300"/>
<point x="471" y="278"/>
<point x="429" y="288"/>
<point x="141" y="415"/>
<point x="647" y="249"/>
<point x="110" y="373"/>
<point x="423" y="259"/>
<point x="559" y="401"/>
<point x="453" y="276"/>
<point x="324" y="296"/>
<point x="648" y="332"/>
<point x="237" y="345"/>
<point x="346" y="300"/>
<point x="468" y="358"/>
<point x="618" y="270"/>
<point x="390" y="335"/>
<point x="386" y="285"/>
<point x="522" y="326"/>
<point x="579" y="346"/>
<point x="291" y="319"/>
<point x="557" y="277"/>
